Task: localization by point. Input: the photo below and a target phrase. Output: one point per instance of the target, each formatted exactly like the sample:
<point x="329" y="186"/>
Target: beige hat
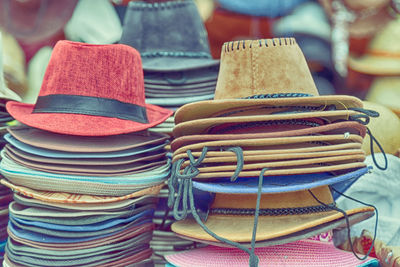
<point x="386" y="130"/>
<point x="383" y="53"/>
<point x="13" y="64"/>
<point x="5" y="92"/>
<point x="262" y="73"/>
<point x="386" y="91"/>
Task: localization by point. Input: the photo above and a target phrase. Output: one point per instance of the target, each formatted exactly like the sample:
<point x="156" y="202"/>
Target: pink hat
<point x="316" y="251"/>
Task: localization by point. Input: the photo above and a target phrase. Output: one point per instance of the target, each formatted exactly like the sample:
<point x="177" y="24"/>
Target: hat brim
<point x="63" y="197"/>
<point x="269" y="227"/>
<point x="17" y="154"/>
<point x="289" y="254"/>
<point x="84" y="125"/>
<point x="69" y="143"/>
<point x="278" y="184"/>
<point x="332" y="128"/>
<point x="375" y="65"/>
<point x="206" y="109"/>
<point x="202" y="126"/>
<point x="166" y="64"/>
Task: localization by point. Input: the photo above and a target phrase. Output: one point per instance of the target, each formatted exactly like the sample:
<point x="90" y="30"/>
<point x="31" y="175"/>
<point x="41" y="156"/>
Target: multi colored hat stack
<point x="269" y="147"/>
<point x="177" y="64"/>
<point x="84" y="168"/>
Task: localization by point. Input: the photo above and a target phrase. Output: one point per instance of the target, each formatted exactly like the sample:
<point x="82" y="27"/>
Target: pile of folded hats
<point x="177" y="64"/>
<point x="85" y="169"/>
<point x="269" y="147"/>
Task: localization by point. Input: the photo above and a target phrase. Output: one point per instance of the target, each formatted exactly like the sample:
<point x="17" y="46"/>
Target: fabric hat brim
<point x="332" y="128"/>
<point x="269" y="227"/>
<point x="83" y="155"/>
<point x="70" y="143"/>
<point x="63" y="197"/>
<point x="375" y="65"/>
<point x="206" y="109"/>
<point x="84" y="125"/>
<point x="289" y="254"/>
<point x="278" y="184"/>
<point x="201" y="126"/>
<point x="170" y="64"/>
<point x="22" y="156"/>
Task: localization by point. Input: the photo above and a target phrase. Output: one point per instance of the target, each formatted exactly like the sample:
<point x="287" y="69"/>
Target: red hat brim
<point x="84" y="125"/>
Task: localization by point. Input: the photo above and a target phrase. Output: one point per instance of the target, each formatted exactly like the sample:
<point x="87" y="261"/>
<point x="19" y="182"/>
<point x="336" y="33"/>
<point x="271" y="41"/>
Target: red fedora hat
<point x="91" y="90"/>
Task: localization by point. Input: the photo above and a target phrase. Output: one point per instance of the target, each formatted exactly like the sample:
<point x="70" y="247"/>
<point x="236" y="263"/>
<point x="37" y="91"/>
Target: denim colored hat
<point x="170" y="36"/>
<point x="260" y="7"/>
<point x="103" y="94"/>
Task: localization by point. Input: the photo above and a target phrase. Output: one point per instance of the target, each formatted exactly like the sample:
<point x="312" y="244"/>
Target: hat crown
<point x="297" y="199"/>
<point x="103" y="71"/>
<point x="165" y="29"/>
<point x="387" y="40"/>
<point x="266" y="66"/>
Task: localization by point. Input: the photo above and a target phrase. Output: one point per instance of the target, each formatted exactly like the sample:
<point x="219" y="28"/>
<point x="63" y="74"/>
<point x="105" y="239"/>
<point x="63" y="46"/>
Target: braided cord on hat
<point x="367" y="113"/>
<point x="185" y="192"/>
<point x="348" y="222"/>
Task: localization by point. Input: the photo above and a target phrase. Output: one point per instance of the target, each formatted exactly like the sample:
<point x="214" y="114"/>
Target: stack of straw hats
<point x="85" y="169"/>
<point x="269" y="147"/>
<point x="177" y="64"/>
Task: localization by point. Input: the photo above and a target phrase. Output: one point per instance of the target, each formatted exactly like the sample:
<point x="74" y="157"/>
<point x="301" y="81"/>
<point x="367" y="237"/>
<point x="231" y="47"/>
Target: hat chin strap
<point x="183" y="182"/>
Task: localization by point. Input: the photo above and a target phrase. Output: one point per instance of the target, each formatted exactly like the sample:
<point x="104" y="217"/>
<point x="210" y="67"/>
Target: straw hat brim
<point x="205" y="109"/>
<point x="269" y="227"/>
<point x="201" y="126"/>
<point x="84" y="125"/>
<point x="375" y="65"/>
<point x="63" y="197"/>
<point x="319" y="253"/>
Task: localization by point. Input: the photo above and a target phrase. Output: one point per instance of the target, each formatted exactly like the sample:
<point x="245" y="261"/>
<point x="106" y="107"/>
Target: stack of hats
<point x="269" y="147"/>
<point x="310" y="27"/>
<point x="83" y="163"/>
<point x="177" y="64"/>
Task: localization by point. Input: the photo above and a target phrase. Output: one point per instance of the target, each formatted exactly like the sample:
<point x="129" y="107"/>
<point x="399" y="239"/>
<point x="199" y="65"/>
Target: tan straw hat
<point x="386" y="129"/>
<point x="383" y="53"/>
<point x="231" y="216"/>
<point x="386" y="91"/>
<point x="263" y="73"/>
